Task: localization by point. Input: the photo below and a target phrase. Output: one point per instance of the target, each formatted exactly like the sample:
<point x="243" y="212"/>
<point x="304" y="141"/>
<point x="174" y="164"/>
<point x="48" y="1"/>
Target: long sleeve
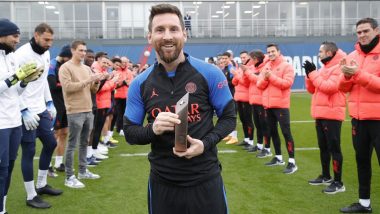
<point x="134" y="131"/>
<point x="225" y="124"/>
<point x="327" y="85"/>
<point x="284" y="82"/>
<point x="67" y="83"/>
<point x="345" y="85"/>
<point x="368" y="81"/>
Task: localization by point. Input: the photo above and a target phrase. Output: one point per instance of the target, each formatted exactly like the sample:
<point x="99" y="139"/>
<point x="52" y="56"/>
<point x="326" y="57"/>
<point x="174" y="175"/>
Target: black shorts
<point x="60" y="120"/>
<point x="204" y="198"/>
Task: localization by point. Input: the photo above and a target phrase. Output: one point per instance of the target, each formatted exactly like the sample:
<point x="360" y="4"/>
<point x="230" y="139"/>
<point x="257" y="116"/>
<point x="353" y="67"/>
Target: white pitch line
<point x="226" y="151"/>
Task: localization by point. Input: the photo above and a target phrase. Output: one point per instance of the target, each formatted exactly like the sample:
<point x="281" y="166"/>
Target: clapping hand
<point x="309" y="67"/>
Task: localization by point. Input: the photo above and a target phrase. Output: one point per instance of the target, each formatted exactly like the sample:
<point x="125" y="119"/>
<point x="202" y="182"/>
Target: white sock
<point x="2" y="212"/>
<point x="292" y="160"/>
<point x="41" y="179"/>
<point x="109" y="133"/>
<point x="58" y="161"/>
<point x="30" y="190"/>
<point x="106" y="139"/>
<point x="260" y="146"/>
<point x="365" y="202"/>
<point x="89" y="151"/>
<point x="250" y="142"/>
<point x="234" y="134"/>
<point x="4" y="204"/>
<point x="279" y="157"/>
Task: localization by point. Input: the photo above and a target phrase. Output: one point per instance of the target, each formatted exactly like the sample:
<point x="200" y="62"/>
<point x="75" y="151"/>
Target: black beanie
<point x="65" y="51"/>
<point x="8" y="28"/>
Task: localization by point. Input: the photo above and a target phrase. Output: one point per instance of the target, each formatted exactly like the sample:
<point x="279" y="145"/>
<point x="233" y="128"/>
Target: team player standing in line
<point x="276" y="80"/>
<point x="13" y="81"/>
<point x="328" y="107"/>
<point x="37" y="104"/>
<point x="361" y="78"/>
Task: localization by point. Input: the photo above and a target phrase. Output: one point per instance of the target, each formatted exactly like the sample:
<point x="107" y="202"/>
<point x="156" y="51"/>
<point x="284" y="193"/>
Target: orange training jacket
<point x="276" y="90"/>
<point x="328" y="102"/>
<point x="364" y="86"/>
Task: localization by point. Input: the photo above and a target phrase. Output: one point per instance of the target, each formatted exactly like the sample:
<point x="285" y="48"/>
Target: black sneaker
<point x="290" y="168"/>
<point x="243" y="143"/>
<point x="48" y="190"/>
<point x="264" y="153"/>
<point x="252" y="149"/>
<point x="61" y="168"/>
<point x="334" y="188"/>
<point x="37" y="202"/>
<point x="275" y="162"/>
<point x="110" y="145"/>
<point x="356" y="208"/>
<point x="320" y="180"/>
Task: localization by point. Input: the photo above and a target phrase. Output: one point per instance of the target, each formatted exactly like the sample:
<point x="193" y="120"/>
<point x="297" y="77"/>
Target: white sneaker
<point x="103" y="148"/>
<point x="88" y="175"/>
<point x="73" y="182"/>
<point x="121" y="133"/>
<point x="99" y="156"/>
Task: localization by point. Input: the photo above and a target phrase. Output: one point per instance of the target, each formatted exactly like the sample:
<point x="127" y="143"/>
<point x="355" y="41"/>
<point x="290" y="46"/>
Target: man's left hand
<point x="350" y="70"/>
<point x="196" y="148"/>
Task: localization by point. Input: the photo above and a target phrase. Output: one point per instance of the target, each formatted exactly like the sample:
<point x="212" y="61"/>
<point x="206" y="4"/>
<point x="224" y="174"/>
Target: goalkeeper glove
<point x="30" y="119"/>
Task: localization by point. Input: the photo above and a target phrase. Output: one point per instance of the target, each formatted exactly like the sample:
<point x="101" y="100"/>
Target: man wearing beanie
<point x="37" y="102"/>
<point x="10" y="120"/>
<point x="60" y="124"/>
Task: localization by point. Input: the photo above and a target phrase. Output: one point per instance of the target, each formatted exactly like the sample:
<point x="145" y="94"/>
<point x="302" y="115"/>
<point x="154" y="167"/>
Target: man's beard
<point x="172" y="57"/>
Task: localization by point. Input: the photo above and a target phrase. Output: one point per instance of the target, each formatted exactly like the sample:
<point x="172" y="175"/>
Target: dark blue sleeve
<point x="135" y="110"/>
<point x="134" y="131"/>
<point x="52" y="66"/>
<point x="221" y="100"/>
<point x="220" y="94"/>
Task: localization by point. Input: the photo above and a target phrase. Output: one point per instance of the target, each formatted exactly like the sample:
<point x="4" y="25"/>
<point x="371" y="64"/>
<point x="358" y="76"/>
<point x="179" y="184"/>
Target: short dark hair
<point x="162" y="9"/>
<point x="258" y="54"/>
<point x="42" y="28"/>
<point x="100" y="55"/>
<point x="90" y="51"/>
<point x="76" y="43"/>
<point x="244" y="51"/>
<point x="330" y="46"/>
<point x="226" y="54"/>
<point x="371" y="21"/>
<point x="273" y="45"/>
<point x="113" y="60"/>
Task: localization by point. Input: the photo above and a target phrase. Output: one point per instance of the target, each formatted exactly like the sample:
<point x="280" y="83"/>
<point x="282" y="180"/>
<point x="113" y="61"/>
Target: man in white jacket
<point x="38" y="103"/>
<point x="13" y="81"/>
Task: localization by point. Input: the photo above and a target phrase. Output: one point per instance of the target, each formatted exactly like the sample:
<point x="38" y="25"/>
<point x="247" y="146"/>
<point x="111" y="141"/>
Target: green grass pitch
<point x="251" y="187"/>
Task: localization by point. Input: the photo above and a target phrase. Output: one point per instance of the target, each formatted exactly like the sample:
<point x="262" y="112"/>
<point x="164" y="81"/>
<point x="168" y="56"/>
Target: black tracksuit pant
<point x="261" y="124"/>
<point x="281" y="116"/>
<point x="245" y="115"/>
<point x="365" y="137"/>
<point x="328" y="134"/>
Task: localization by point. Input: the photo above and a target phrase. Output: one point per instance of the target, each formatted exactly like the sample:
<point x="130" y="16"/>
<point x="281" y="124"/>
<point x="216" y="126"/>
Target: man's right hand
<point x="165" y="121"/>
<point x="30" y="119"/>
